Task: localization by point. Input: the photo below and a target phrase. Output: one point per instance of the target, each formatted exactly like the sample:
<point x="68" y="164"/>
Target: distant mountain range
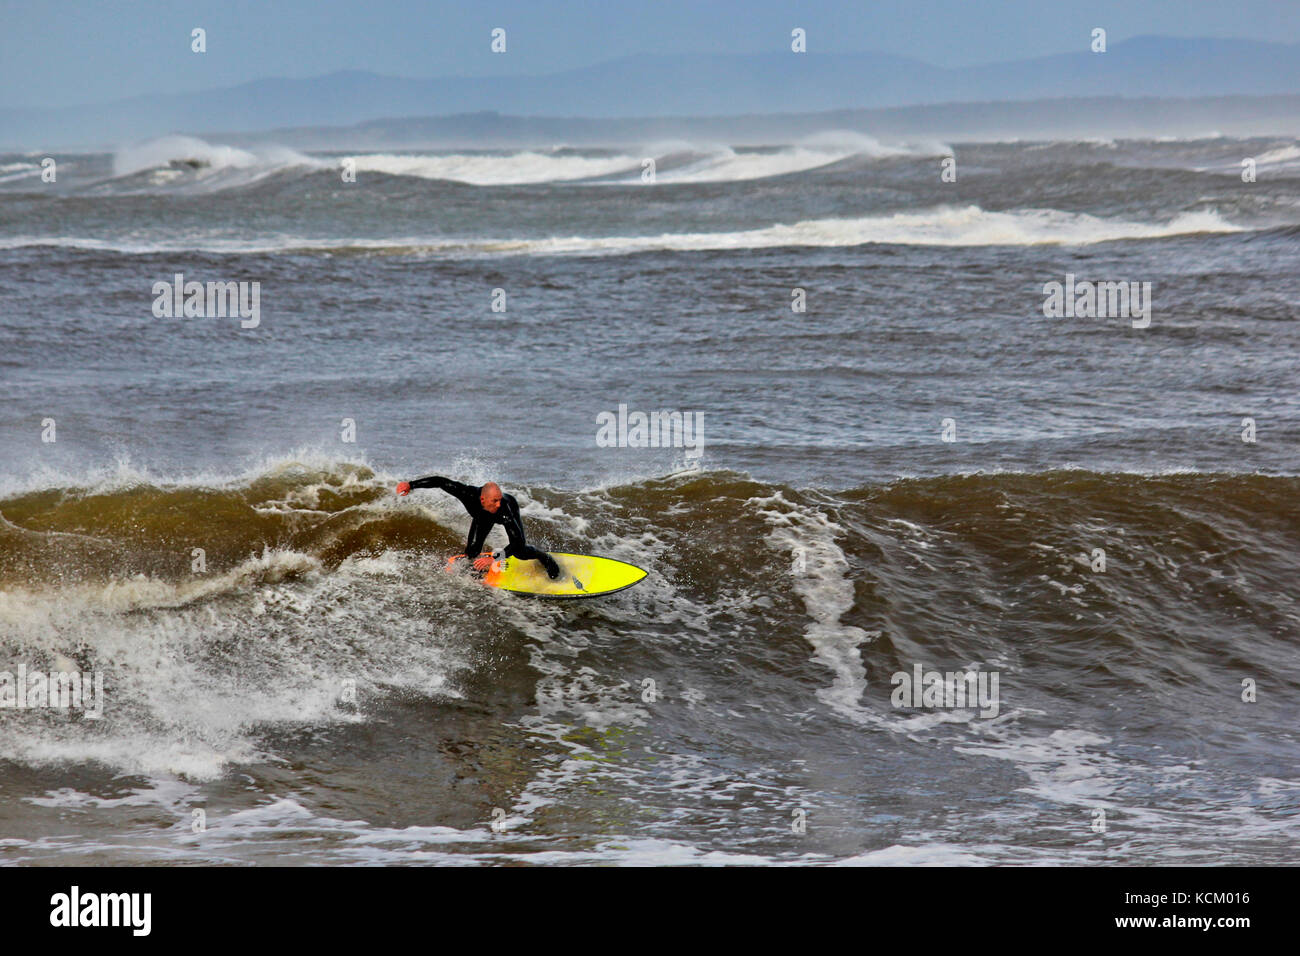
<point x="679" y="85"/>
<point x="1072" y="118"/>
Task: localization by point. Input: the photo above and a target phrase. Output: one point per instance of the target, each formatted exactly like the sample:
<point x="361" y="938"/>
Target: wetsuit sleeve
<point x="465" y="494"/>
<point x="478" y="532"/>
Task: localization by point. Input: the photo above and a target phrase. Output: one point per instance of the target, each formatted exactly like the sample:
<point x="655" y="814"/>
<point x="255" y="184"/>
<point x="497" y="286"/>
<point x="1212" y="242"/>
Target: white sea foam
<point x="10" y="172"/>
<point x="941" y="226"/>
<point x="712" y="163"/>
<point x="1282" y="156"/>
<point x="820" y="577"/>
<point x="172" y="157"/>
<point x="193" y="669"/>
<point x="726" y="164"/>
<point x="528" y="167"/>
<point x="161" y="153"/>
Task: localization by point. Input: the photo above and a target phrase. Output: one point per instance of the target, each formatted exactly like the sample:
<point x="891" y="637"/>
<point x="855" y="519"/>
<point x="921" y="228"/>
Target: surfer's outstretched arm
<point x="465" y="494"/>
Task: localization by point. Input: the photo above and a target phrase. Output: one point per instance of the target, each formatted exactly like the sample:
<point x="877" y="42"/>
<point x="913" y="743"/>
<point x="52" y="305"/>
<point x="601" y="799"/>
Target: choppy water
<point x="829" y="538"/>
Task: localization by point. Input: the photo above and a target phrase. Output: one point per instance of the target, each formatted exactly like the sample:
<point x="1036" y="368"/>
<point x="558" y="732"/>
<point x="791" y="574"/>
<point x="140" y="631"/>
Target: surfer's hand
<point x="403" y="487"/>
<point x="483" y="562"/>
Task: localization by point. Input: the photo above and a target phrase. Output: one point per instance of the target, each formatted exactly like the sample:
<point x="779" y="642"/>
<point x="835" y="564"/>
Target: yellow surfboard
<point x="581" y="575"/>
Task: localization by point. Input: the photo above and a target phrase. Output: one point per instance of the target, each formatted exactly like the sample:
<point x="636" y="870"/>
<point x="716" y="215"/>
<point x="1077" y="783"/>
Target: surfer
<point x="487" y="506"/>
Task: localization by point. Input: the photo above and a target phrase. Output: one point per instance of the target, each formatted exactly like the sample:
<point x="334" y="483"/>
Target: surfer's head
<point x="489" y="496"/>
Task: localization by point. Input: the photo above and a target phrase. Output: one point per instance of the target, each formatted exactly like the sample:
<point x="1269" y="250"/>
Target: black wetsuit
<point x="482" y="521"/>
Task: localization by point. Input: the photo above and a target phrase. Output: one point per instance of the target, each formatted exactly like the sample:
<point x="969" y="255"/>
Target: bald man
<point x="487" y="506"/>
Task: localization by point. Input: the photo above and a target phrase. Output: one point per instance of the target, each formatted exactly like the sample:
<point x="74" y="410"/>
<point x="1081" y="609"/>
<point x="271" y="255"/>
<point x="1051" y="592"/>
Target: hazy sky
<point x="83" y="51"/>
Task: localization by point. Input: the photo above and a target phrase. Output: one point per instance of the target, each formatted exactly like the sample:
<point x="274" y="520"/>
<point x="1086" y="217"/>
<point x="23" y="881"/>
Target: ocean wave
<point x="315" y="572"/>
<point x="943" y="226"/>
<point x="1281" y="157"/>
<point x="132" y="533"/>
<point x="187" y="160"/>
<point x="676" y="163"/>
<point x="477" y="169"/>
<point x="190" y="152"/>
<point x="726" y="164"/>
<point x="12" y="172"/>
